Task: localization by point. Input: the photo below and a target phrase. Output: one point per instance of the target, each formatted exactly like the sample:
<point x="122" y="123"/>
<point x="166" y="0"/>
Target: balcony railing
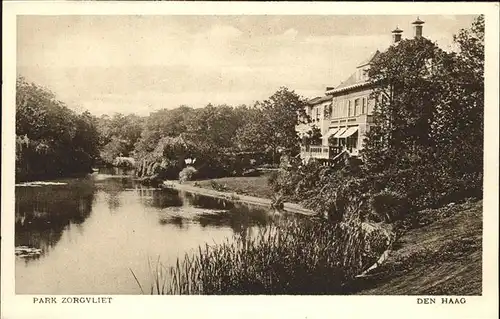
<point x="319" y="152"/>
<point x="326" y="152"/>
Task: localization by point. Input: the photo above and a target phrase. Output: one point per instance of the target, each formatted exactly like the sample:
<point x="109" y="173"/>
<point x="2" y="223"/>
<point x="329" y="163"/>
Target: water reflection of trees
<point x="219" y="213"/>
<point x="174" y="220"/>
<point x="117" y="171"/>
<point x="113" y="187"/>
<point x="42" y="213"/>
<point x="239" y="218"/>
<point x="160" y="198"/>
<point x="208" y="211"/>
<point x="208" y="202"/>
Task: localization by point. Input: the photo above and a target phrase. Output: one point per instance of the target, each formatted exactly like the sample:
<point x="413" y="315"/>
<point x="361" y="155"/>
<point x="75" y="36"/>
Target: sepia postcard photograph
<point x="156" y="155"/>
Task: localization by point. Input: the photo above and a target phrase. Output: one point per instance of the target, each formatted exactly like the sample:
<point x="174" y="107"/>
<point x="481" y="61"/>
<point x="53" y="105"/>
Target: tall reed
<point x="291" y="256"/>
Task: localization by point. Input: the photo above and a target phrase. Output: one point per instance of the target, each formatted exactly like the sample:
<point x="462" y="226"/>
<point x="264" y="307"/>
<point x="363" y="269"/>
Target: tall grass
<point x="291" y="256"/>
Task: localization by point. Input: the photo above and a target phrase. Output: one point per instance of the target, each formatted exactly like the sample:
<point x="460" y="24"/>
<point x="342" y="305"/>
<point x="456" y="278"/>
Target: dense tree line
<point x="217" y="136"/>
<point x="118" y="135"/>
<point x="51" y="139"/>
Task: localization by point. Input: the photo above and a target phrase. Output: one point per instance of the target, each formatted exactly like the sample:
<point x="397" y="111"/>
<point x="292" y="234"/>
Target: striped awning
<point x="350" y="131"/>
<point x="340" y="132"/>
<point x="331" y="132"/>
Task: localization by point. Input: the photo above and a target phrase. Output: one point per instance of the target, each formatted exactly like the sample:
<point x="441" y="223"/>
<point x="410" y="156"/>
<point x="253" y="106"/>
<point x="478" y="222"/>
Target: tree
<point x="214" y="127"/>
<point x="428" y="134"/>
<point x="250" y="135"/>
<point x="51" y="139"/>
<point x="118" y="135"/>
<point x="160" y="124"/>
<point x="458" y="126"/>
<point x="312" y="137"/>
<point x="407" y="90"/>
<point x="273" y="125"/>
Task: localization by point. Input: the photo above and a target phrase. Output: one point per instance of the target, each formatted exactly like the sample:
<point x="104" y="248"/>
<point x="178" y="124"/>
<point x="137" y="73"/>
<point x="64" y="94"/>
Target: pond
<point x="84" y="236"/>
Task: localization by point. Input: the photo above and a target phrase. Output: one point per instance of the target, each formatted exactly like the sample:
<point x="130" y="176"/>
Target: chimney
<point x="418" y="26"/>
<point x="396" y="35"/>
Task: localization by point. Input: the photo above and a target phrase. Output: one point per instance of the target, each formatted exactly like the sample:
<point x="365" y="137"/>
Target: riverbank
<point x="256" y="186"/>
<point x="39" y="178"/>
<point x="439" y="253"/>
<point x="436" y="251"/>
<point x="193" y="187"/>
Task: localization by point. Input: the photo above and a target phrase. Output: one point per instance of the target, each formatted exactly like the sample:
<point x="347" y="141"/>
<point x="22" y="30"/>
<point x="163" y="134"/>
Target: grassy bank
<point x="257" y="186"/>
<point x="439" y="253"/>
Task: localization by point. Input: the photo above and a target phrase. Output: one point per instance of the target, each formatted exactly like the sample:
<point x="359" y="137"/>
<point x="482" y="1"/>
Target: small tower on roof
<point x="396" y="34"/>
<point x="418" y="26"/>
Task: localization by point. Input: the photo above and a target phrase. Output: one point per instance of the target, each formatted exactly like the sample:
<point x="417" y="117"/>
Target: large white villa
<point x="344" y="113"/>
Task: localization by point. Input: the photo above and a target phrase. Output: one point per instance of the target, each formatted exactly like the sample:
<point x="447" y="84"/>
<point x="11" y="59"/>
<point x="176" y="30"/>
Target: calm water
<point x="92" y="231"/>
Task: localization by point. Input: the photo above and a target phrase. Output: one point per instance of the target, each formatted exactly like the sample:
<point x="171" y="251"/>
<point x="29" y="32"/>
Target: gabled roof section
<point x="353" y="81"/>
<point x="314" y="100"/>
<point x="369" y="59"/>
<point x="319" y="99"/>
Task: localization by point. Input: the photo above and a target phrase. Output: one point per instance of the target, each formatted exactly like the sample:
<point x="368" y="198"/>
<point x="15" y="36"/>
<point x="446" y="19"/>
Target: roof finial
<point x="397" y="30"/>
<point x="418" y="21"/>
<point x="396" y="34"/>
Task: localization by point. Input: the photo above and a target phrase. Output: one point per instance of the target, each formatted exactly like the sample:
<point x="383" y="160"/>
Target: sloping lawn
<point x="252" y="186"/>
<point x="440" y="257"/>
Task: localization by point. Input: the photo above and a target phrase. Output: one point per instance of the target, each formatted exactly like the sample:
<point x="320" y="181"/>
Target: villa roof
<point x="319" y="99"/>
<point x="353" y="81"/>
<point x="369" y="59"/>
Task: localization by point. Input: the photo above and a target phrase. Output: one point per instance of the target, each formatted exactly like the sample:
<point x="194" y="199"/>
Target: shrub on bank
<point x="125" y="162"/>
<point x="187" y="174"/>
<point x="386" y="196"/>
<point x="388" y="206"/>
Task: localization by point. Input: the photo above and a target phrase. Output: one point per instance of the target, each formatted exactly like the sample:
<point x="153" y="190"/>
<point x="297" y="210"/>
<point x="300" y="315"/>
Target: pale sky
<point x="139" y="64"/>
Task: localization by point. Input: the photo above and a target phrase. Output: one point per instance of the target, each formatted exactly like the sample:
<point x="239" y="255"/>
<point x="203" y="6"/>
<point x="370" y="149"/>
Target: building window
<point x="349" y="108"/>
<point x="363" y="109"/>
<point x="327" y="110"/>
<point x="365" y="74"/>
<point x="317" y="113"/>
<point x="356" y="107"/>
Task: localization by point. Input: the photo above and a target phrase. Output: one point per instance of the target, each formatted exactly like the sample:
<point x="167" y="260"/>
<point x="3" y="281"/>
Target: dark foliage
<point x="51" y="140"/>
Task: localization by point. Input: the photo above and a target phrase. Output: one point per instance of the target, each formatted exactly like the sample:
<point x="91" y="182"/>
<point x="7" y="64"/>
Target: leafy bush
<point x="218" y="186"/>
<point x="125" y="162"/>
<point x="429" y="186"/>
<point x="388" y="206"/>
<point x="273" y="176"/>
<point x="296" y="182"/>
<point x="187" y="174"/>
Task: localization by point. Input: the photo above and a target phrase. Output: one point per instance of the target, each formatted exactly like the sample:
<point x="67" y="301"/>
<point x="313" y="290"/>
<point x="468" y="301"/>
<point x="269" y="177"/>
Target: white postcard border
<point x="21" y="306"/>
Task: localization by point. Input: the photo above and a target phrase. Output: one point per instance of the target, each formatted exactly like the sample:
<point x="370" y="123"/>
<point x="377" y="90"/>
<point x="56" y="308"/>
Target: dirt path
<point x="264" y="202"/>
